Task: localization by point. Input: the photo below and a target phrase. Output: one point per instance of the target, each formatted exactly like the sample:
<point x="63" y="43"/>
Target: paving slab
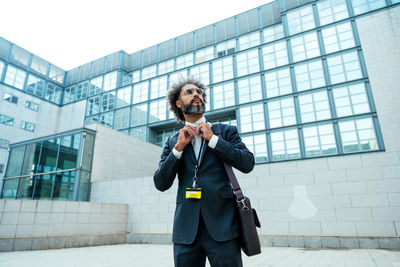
<point x="161" y="255"/>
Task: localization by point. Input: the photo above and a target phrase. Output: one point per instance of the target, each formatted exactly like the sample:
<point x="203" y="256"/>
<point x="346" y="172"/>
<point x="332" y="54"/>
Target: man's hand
<point x="186" y="134"/>
<point x="205" y="130"/>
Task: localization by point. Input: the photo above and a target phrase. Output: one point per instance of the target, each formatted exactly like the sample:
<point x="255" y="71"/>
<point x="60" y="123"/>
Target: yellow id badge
<point x="193" y="193"/>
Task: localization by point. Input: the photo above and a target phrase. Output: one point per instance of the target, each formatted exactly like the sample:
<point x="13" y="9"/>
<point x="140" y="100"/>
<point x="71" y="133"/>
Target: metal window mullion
<point x="36" y="172"/>
<point x="378" y="132"/>
<point x="79" y="166"/>
<point x="20" y="172"/>
<point x="338" y="137"/>
<point x="350" y="8"/>
<point x="300" y="136"/>
<point x="58" y="156"/>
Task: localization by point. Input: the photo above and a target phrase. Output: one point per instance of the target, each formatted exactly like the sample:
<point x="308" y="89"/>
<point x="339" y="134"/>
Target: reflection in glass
<point x="15" y="161"/>
<point x="9" y="188"/>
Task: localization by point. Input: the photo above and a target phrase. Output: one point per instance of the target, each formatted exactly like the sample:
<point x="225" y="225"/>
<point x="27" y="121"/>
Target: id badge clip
<point x="194" y="193"/>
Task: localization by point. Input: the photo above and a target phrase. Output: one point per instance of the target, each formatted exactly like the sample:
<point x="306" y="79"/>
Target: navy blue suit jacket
<point x="217" y="205"/>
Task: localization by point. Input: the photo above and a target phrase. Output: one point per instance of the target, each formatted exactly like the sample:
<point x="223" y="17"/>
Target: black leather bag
<point x="248" y="220"/>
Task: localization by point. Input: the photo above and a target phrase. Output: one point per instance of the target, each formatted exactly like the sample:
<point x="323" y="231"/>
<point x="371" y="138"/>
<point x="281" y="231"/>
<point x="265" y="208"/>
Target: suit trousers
<point x="220" y="254"/>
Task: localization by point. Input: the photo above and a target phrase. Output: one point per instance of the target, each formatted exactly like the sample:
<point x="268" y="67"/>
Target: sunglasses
<point x="191" y="91"/>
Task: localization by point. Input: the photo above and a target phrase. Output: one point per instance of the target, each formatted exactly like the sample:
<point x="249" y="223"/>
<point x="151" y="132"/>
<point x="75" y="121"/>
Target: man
<point x="205" y="222"/>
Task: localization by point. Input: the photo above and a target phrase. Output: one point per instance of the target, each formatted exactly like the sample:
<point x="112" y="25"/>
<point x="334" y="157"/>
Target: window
<point x="53" y="93"/>
<point x="314" y="106"/>
<point x="149" y="72"/>
<point x="204" y="54"/>
<point x="140" y="92"/>
<point x="305" y="47"/>
<point x="300" y="20"/>
<point x="173" y="77"/>
<point x="281" y="112"/>
<point x="1" y="68"/>
<point x="224" y="95"/>
<point x="110" y="81"/>
<point x="309" y="75"/>
<point x="107" y="101"/>
<point x="158" y="110"/>
<point x="121" y="120"/>
<point x="126" y="78"/>
<point x="247" y="63"/>
<point x="275" y="55"/>
<point x="107" y="119"/>
<point x="56" y="74"/>
<point x="15" y="77"/>
<point x="82" y="90"/>
<point x="4" y="143"/>
<point x="249" y="89"/>
<point x="31" y="105"/>
<point x="222" y="70"/>
<point x="332" y="10"/>
<point x="184" y="61"/>
<point x="139" y="133"/>
<point x="338" y="37"/>
<point x="165" y="66"/>
<point x="39" y="65"/>
<point x="159" y="87"/>
<point x="201" y="72"/>
<point x="135" y="76"/>
<point x="6" y="120"/>
<point x="351" y="100"/>
<point x="139" y="115"/>
<point x="162" y="136"/>
<point x="358" y="135"/>
<point x="285" y="145"/>
<point x="273" y="33"/>
<point x="10" y="98"/>
<point x="362" y="6"/>
<point x="91" y="120"/>
<point x="1" y="168"/>
<point x="28" y="126"/>
<point x="93" y="105"/>
<point x="96" y="84"/>
<point x="344" y="67"/>
<point x="252" y="118"/>
<point x="69" y="94"/>
<point x="124" y="97"/>
<point x="278" y="82"/>
<point x="35" y="85"/>
<point x="319" y="140"/>
<point x="226" y="48"/>
<point x="249" y="40"/>
<point x="257" y="144"/>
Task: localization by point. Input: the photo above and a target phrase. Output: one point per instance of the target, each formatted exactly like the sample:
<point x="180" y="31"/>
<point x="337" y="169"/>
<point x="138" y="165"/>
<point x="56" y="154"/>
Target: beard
<point x="191" y="109"/>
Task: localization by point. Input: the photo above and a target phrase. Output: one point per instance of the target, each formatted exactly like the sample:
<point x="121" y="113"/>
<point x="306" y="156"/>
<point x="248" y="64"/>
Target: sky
<point x="74" y="32"/>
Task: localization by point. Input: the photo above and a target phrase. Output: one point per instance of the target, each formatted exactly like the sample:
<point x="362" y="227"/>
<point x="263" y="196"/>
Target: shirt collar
<point x="202" y="119"/>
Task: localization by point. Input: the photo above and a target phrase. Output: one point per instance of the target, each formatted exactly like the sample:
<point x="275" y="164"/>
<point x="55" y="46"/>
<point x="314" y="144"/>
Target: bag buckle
<point x="243" y="204"/>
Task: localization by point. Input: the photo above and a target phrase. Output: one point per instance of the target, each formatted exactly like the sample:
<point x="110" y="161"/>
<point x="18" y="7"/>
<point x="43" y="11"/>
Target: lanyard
<point x="196" y="167"/>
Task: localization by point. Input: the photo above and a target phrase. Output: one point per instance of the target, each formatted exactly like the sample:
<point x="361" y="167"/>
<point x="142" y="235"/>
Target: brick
<point x="2" y="202"/>
<point x="6" y="244"/>
<point x="322" y="202"/>
<point x="344" y="162"/>
<point x="349" y="188"/>
<point x="266" y="181"/>
<point x="349" y="242"/>
<point x="312" y="242"/>
<point x="10" y="218"/>
<point x="383" y="186"/>
<point x="299" y="178"/>
<point x="26" y="218"/>
<point x="7" y="230"/>
<point x="44" y="206"/>
<point x="12" y="205"/>
<point x="280" y="241"/>
<point x="342" y="201"/>
<point x="386" y="213"/>
<point x="394" y="199"/>
<point x="369" y="242"/>
<point x="279" y="168"/>
<point x="375" y="229"/>
<point x="363" y="174"/>
<point x="314" y="165"/>
<point x="296" y="241"/>
<point x="390" y="243"/>
<point x="274" y="228"/>
<point x="319" y="190"/>
<point x="333" y="176"/>
<point x="330" y="242"/>
<point x="28" y="205"/>
<point x="71" y="206"/>
<point x="56" y="242"/>
<point x="21" y="244"/>
<point x="24" y="230"/>
<point x="370" y="200"/>
<point x="58" y="206"/>
<point x="305" y="228"/>
<point x="379" y="159"/>
<point x="42" y="218"/>
<point x="353" y="214"/>
<point x="390" y="172"/>
<point x="338" y="228"/>
<point x="40" y="243"/>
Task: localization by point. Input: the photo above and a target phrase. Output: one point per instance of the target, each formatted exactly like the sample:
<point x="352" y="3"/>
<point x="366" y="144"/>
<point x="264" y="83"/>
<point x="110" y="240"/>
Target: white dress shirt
<point x="196" y="141"/>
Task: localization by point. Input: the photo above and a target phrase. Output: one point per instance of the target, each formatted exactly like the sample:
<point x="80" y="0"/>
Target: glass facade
<point x="290" y="74"/>
<point x="55" y="168"/>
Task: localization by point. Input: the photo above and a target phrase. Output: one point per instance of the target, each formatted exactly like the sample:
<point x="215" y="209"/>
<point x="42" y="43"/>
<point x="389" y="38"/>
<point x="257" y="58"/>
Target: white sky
<point x="74" y="32"/>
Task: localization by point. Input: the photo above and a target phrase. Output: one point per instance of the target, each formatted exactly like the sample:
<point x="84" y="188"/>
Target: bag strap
<point x="232" y="178"/>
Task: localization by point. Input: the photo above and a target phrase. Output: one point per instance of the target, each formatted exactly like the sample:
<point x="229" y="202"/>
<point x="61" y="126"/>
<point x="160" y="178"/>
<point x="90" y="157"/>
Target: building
<point x="311" y="85"/>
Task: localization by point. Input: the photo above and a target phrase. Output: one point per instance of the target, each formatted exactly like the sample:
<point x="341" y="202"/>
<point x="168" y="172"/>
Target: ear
<point x="178" y="103"/>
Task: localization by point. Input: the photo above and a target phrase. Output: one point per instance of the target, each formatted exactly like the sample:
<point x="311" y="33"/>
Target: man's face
<point x="190" y="100"/>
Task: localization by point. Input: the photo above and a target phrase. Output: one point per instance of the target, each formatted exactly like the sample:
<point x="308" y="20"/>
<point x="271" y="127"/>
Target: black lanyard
<point x="196" y="167"/>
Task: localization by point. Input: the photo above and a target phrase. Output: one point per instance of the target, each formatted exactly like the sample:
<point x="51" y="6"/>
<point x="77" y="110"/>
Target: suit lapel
<point x="216" y="130"/>
<point x="190" y="151"/>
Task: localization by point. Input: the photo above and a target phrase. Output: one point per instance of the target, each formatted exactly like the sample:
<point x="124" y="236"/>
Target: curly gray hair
<point x="175" y="91"/>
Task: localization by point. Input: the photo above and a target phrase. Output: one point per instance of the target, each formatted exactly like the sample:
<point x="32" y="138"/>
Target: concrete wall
<point x="120" y="156"/>
<point x="32" y="224"/>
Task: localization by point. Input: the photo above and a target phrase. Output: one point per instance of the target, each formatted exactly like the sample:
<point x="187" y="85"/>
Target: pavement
<point x="161" y="255"/>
